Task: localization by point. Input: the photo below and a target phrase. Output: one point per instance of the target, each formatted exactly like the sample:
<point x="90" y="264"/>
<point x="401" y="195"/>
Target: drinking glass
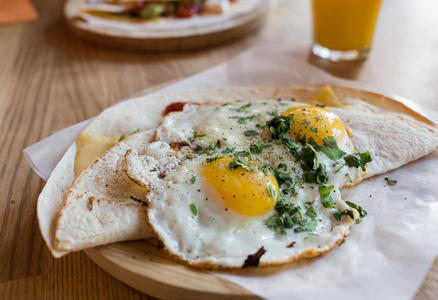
<point x="343" y="29"/>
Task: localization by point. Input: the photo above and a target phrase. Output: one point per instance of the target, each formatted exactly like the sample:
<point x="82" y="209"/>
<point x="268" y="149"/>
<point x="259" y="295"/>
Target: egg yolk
<point x="315" y="122"/>
<point x="247" y="193"/>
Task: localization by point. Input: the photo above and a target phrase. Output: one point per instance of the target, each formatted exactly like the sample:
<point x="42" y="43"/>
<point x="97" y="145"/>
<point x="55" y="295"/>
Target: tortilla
<point x="146" y="112"/>
<point x="103" y="205"/>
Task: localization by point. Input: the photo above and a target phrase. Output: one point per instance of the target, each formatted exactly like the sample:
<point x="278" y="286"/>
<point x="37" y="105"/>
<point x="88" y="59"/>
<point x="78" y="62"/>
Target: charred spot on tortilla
<point x="173" y="107"/>
<point x="291" y="244"/>
<point x="179" y="145"/>
<point x="142" y="202"/>
<point x="253" y="260"/>
<point x="90" y="203"/>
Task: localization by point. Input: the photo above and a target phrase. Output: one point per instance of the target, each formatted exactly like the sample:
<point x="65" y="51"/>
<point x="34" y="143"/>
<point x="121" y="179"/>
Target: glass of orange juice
<point x="343" y="29"/>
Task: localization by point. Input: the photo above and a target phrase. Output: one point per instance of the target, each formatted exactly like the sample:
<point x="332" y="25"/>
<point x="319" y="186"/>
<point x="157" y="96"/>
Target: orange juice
<point x="344" y="24"/>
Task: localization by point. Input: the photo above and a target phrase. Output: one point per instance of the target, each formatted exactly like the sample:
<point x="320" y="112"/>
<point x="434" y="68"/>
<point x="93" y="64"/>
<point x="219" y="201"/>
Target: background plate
<point x="213" y="33"/>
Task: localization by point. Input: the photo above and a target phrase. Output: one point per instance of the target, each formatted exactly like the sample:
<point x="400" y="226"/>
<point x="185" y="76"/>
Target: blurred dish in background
<point x="151" y="10"/>
<point x="166" y="24"/>
<point x="343" y="29"/>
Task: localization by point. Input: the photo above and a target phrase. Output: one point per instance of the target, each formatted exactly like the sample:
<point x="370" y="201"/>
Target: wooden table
<point x="50" y="79"/>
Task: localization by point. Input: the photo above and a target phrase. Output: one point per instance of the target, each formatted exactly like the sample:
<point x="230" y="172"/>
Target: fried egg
<point x="249" y="183"/>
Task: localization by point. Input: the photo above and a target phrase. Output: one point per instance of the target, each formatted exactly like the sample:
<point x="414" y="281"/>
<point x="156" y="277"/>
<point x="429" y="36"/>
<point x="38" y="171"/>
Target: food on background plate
<point x="164" y="25"/>
<point x="153" y="9"/>
<point x="280" y="155"/>
<point x="156" y="10"/>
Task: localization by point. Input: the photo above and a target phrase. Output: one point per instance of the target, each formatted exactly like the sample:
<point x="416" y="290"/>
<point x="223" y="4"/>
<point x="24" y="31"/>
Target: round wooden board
<point x="170" y="41"/>
<point x="141" y="265"/>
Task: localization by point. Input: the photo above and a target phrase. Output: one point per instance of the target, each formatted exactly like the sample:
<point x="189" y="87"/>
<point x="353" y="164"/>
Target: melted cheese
<point x="89" y="147"/>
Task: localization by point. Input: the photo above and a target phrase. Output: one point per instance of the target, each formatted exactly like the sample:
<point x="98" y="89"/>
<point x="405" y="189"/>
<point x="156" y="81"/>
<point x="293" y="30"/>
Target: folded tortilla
<point x="86" y="222"/>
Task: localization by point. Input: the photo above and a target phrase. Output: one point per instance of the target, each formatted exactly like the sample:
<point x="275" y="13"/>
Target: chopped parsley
<point x="250" y="133"/>
<point x="326" y="198"/>
<point x="193" y="209"/>
<point x="278" y="126"/>
<point x="259" y="147"/>
<point x="208" y="150"/>
<point x="153" y="170"/>
<point x="196" y="135"/>
<point x="358" y="160"/>
<point x="242" y="108"/>
<point x="284" y="180"/>
<point x="362" y="212"/>
<point x="193" y="179"/>
<point x="340" y="213"/>
<point x="244" y="120"/>
<point x="308" y="226"/>
<point x="228" y="150"/>
<point x="272" y="113"/>
<point x="289" y="216"/>
<point x="348" y="212"/>
<point x="271" y="191"/>
<point x="341" y="242"/>
<point x="124" y="136"/>
<point x="391" y="181"/>
<point x="282" y="166"/>
<point x="314" y="170"/>
<point x="212" y="159"/>
<point x="331" y="149"/>
<point x="311" y="212"/>
<point x="242" y="159"/>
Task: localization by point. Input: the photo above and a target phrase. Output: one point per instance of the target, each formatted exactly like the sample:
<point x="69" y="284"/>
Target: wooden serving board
<point x="141" y="265"/>
<point x="172" y="40"/>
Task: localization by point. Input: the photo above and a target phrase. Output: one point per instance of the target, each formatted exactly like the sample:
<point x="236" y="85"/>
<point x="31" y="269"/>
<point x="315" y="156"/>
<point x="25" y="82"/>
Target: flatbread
<point x="146" y="112"/>
<point x="103" y="205"/>
<point x="392" y="138"/>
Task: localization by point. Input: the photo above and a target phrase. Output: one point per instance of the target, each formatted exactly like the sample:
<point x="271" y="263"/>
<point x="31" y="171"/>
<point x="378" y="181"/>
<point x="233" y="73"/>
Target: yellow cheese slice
<point x="89" y="147"/>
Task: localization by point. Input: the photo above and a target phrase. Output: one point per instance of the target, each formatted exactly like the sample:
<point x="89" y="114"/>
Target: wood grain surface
<point x="50" y="79"/>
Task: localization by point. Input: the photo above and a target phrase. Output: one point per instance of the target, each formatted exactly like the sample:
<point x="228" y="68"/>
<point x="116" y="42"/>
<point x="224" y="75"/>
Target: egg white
<point x="216" y="236"/>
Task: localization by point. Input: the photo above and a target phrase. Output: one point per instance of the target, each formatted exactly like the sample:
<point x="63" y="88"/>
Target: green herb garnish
<point x="340" y="213"/>
<point x="242" y="108"/>
<point x="271" y="191"/>
<point x="250" y="133"/>
<point x="362" y="212"/>
<point x="314" y="170"/>
<point x="282" y="166"/>
<point x="331" y="149"/>
<point x="358" y="160"/>
<point x="212" y="159"/>
<point x="326" y="198"/>
<point x="124" y="136"/>
<point x="196" y="135"/>
<point x="193" y="179"/>
<point x="259" y="147"/>
<point x="228" y="150"/>
<point x="308" y="226"/>
<point x="193" y="209"/>
<point x="391" y="181"/>
<point x="311" y="212"/>
<point x="244" y="120"/>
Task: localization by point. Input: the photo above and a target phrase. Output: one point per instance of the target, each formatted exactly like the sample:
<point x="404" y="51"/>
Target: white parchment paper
<point x="386" y="256"/>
